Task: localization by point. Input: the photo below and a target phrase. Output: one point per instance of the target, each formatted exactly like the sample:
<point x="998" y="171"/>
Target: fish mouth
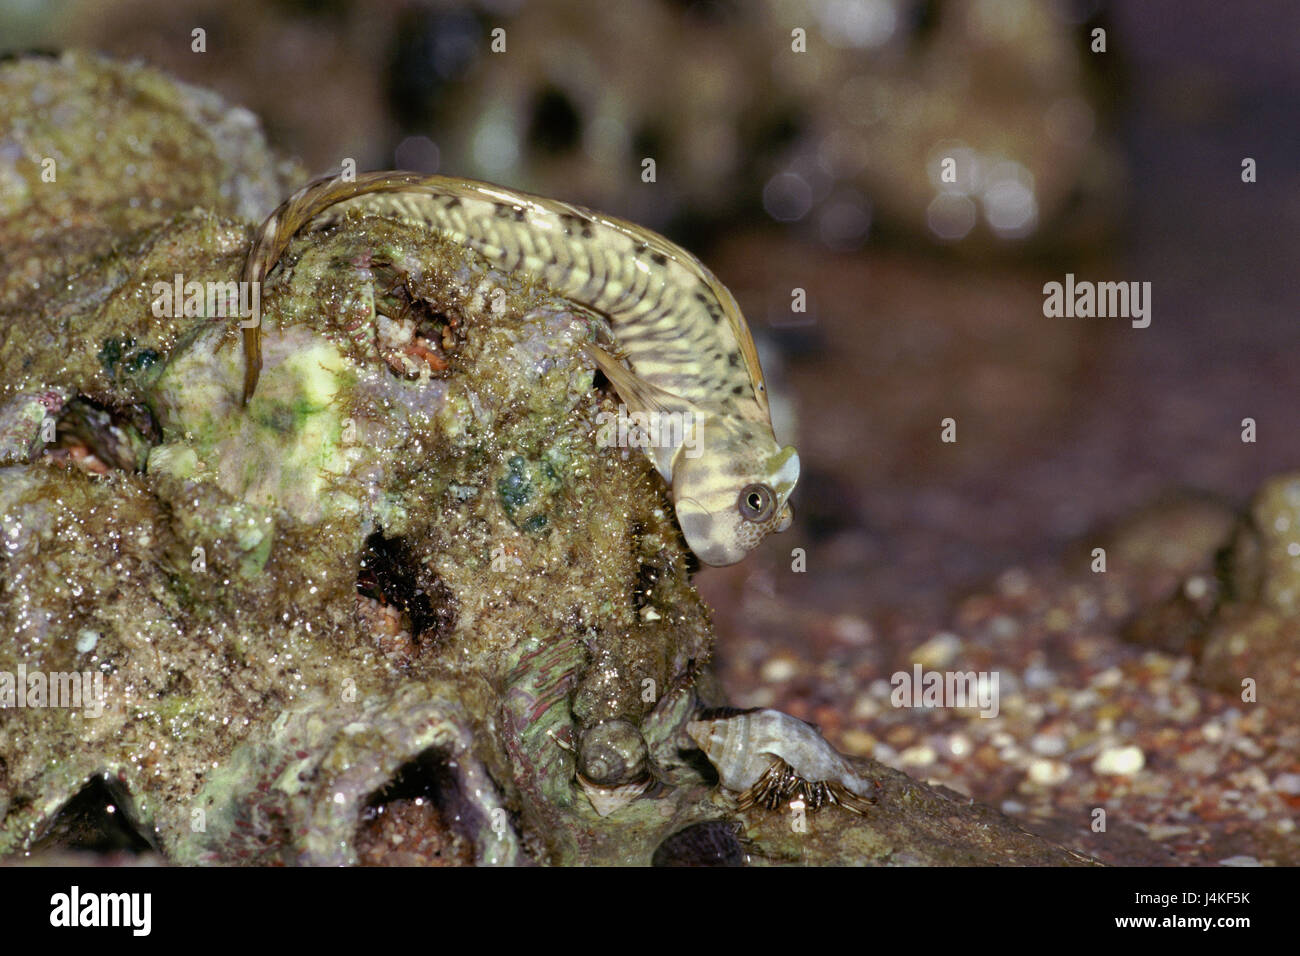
<point x="785" y="519"/>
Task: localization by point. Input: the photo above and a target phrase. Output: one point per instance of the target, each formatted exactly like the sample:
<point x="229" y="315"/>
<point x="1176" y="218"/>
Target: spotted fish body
<point x="677" y="326"/>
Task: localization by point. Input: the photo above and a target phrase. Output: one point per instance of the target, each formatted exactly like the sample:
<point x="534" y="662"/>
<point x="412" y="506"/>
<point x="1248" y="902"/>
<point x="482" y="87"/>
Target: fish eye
<point x="756" y="502"/>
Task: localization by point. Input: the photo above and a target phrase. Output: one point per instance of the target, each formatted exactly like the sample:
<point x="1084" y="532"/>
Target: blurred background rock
<point x="848" y="133"/>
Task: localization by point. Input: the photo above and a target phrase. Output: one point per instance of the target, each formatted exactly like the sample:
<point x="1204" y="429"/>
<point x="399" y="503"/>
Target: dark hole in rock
<point x="780" y="130"/>
<point x="433" y="51"/>
<point x="99" y="819"/>
<point x="695" y="759"/>
<point x="438" y="332"/>
<point x="709" y="12"/>
<point x="702" y="844"/>
<point x="178" y="683"/>
<point x="420" y="818"/>
<point x="649" y="140"/>
<point x="317" y="8"/>
<point x="98" y="438"/>
<point x="9" y="56"/>
<point x="390" y="574"/>
<point x="923" y="21"/>
<point x="647" y="576"/>
<point x="556" y="126"/>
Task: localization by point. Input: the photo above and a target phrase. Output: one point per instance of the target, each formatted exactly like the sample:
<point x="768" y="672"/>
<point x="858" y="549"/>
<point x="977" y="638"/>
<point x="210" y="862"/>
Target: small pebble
<point x="1110" y="677"/>
<point x="1056" y="620"/>
<point x="1047" y="745"/>
<point x="777" y="670"/>
<point x="938" y="651"/>
<point x="1038" y="678"/>
<point x="1013" y="582"/>
<point x="865" y="708"/>
<point x="1087" y="610"/>
<point x="1248" y="747"/>
<point x="1119" y="761"/>
<point x="1049" y="773"/>
<point x="1004" y="627"/>
<point x="1084" y="699"/>
<point x="921" y="755"/>
<point x="1165" y="831"/>
<point x="1287" y="783"/>
<point x="1200" y="762"/>
<point x="959" y="745"/>
<point x="852" y="630"/>
<point x="858" y="743"/>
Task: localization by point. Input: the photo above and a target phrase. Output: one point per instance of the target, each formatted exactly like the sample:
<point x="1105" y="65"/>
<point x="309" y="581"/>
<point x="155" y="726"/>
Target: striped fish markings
<point x="681" y="332"/>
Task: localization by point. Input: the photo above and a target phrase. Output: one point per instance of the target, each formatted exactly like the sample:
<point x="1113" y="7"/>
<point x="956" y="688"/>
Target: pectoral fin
<point x="636" y="392"/>
<point x="642" y="397"/>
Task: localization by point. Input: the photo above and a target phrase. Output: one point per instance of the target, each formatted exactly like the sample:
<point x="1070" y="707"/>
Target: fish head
<point x="732" y="489"/>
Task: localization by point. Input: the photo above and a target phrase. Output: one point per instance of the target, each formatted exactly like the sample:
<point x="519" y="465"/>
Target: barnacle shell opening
<point x="606" y="800"/>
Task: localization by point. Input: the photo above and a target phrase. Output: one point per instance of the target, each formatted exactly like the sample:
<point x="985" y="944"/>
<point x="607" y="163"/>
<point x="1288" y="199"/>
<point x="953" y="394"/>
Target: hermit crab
<point x="769" y="758"/>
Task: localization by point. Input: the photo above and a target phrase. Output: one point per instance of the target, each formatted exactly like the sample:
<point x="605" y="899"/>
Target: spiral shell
<point x="768" y="758"/>
<point x="613" y="765"/>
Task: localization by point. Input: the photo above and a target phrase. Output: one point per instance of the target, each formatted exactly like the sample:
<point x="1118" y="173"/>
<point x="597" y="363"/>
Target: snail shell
<point x="612" y="752"/>
<point x="613" y="765"/>
<point x="768" y="757"/>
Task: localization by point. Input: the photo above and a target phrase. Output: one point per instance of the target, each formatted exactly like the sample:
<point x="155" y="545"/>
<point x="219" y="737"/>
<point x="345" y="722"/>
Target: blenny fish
<point x="679" y="329"/>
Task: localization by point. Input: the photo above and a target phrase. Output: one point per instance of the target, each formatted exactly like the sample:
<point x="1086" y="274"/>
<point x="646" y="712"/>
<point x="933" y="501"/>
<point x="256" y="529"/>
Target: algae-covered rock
<point x="389" y="610"/>
<point x="1252" y="645"/>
